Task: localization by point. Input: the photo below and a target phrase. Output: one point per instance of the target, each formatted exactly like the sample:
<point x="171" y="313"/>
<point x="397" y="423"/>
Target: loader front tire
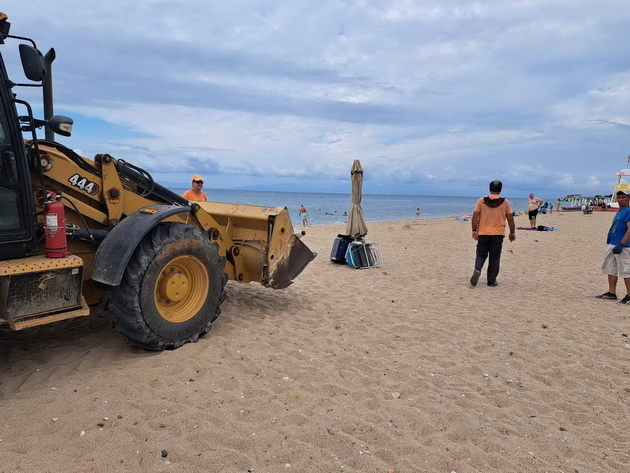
<point x="172" y="288"/>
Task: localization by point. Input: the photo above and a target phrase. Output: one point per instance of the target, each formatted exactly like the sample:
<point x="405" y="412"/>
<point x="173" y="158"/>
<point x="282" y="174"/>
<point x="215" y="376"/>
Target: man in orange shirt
<point x="488" y="228"/>
<point x="195" y="194"/>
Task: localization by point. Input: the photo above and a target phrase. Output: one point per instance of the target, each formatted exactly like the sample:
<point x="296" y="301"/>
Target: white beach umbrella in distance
<point x="356" y="222"/>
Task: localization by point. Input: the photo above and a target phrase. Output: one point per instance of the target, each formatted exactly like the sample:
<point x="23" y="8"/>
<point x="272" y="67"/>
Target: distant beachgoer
<point x="418" y="211"/>
<point x="532" y="208"/>
<point x="617" y="260"/>
<point x="558" y="206"/>
<point x="195" y="194"/>
<point x="550" y="208"/>
<point x="303" y="214"/>
<point x="488" y="228"/>
<point x="345" y="214"/>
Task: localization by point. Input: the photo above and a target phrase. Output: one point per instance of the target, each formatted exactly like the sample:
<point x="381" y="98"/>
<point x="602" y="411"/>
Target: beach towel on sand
<point x="540" y="228"/>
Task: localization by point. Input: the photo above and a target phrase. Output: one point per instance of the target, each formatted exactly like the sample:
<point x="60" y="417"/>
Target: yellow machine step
<point x="46" y="319"/>
<point x="38" y="290"/>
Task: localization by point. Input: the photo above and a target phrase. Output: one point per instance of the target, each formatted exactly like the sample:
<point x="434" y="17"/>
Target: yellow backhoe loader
<point x="75" y="232"/>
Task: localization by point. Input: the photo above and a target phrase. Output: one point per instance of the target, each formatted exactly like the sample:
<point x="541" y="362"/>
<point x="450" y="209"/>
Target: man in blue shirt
<point x="617" y="260"/>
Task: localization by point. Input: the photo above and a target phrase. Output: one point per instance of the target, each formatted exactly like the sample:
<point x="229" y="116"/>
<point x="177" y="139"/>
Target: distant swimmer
<point x="418" y="211"/>
<point x="345" y="214"/>
<point x="195" y="194"/>
<point x="303" y="214"/>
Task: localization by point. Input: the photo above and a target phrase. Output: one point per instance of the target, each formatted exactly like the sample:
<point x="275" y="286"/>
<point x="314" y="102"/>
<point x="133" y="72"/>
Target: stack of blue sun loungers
<point x="363" y="255"/>
<point x="356" y="253"/>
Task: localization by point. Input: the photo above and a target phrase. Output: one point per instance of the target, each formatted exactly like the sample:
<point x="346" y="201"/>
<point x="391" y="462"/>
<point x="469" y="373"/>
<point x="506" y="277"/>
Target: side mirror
<point x="61" y="125"/>
<point x="32" y="63"/>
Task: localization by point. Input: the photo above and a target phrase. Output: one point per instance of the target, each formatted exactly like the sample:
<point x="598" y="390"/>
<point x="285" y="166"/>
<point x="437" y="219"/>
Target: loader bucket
<point x="296" y="257"/>
<point x="258" y="242"/>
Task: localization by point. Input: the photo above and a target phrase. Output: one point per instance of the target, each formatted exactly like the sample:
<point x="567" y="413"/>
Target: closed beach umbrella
<point x="356" y="222"/>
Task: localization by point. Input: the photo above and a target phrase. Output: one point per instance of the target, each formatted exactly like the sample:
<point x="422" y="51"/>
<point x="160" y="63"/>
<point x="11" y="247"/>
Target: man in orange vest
<point x="488" y="228"/>
<point x="195" y="194"/>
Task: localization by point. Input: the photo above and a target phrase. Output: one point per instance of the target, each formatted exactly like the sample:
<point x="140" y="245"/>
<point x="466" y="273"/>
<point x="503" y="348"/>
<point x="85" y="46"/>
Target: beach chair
<point x="339" y="249"/>
<point x="362" y="255"/>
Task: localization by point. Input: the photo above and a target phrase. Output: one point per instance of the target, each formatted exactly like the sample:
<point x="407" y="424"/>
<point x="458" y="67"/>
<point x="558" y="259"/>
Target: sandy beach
<point x="405" y="368"/>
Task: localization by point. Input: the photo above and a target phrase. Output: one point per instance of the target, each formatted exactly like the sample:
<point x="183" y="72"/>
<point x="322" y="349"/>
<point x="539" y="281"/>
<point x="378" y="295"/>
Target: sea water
<point x="328" y="209"/>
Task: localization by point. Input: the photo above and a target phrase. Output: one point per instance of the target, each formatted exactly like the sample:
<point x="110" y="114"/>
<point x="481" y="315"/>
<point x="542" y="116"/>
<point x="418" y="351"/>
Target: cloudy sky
<point x="433" y="96"/>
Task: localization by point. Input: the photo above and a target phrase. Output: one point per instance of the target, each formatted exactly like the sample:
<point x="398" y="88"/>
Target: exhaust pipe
<point x="48" y="92"/>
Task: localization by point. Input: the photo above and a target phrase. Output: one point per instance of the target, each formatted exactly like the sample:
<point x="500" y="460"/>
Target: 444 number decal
<point x="84" y="184"/>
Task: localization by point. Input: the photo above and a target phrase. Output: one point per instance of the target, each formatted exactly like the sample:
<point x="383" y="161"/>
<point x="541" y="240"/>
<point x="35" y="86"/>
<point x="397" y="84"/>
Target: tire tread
<point x="124" y="299"/>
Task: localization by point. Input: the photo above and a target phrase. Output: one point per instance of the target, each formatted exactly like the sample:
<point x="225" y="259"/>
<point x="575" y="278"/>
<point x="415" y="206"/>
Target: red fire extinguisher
<point x="56" y="242"/>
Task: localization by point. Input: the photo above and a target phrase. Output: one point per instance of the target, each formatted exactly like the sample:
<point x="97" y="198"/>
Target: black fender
<point x="114" y="252"/>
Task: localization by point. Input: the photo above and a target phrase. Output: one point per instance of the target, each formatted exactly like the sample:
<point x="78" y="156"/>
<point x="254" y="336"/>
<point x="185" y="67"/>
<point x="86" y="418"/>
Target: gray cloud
<point x="431" y="92"/>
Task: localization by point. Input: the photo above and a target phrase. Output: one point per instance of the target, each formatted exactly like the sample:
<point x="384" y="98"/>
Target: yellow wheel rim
<point x="181" y="289"/>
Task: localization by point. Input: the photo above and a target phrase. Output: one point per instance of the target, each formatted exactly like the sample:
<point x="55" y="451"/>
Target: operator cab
<point x="18" y="235"/>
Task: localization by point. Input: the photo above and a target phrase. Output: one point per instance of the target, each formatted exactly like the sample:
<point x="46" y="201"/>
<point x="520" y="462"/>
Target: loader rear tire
<point x="172" y="288"/>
